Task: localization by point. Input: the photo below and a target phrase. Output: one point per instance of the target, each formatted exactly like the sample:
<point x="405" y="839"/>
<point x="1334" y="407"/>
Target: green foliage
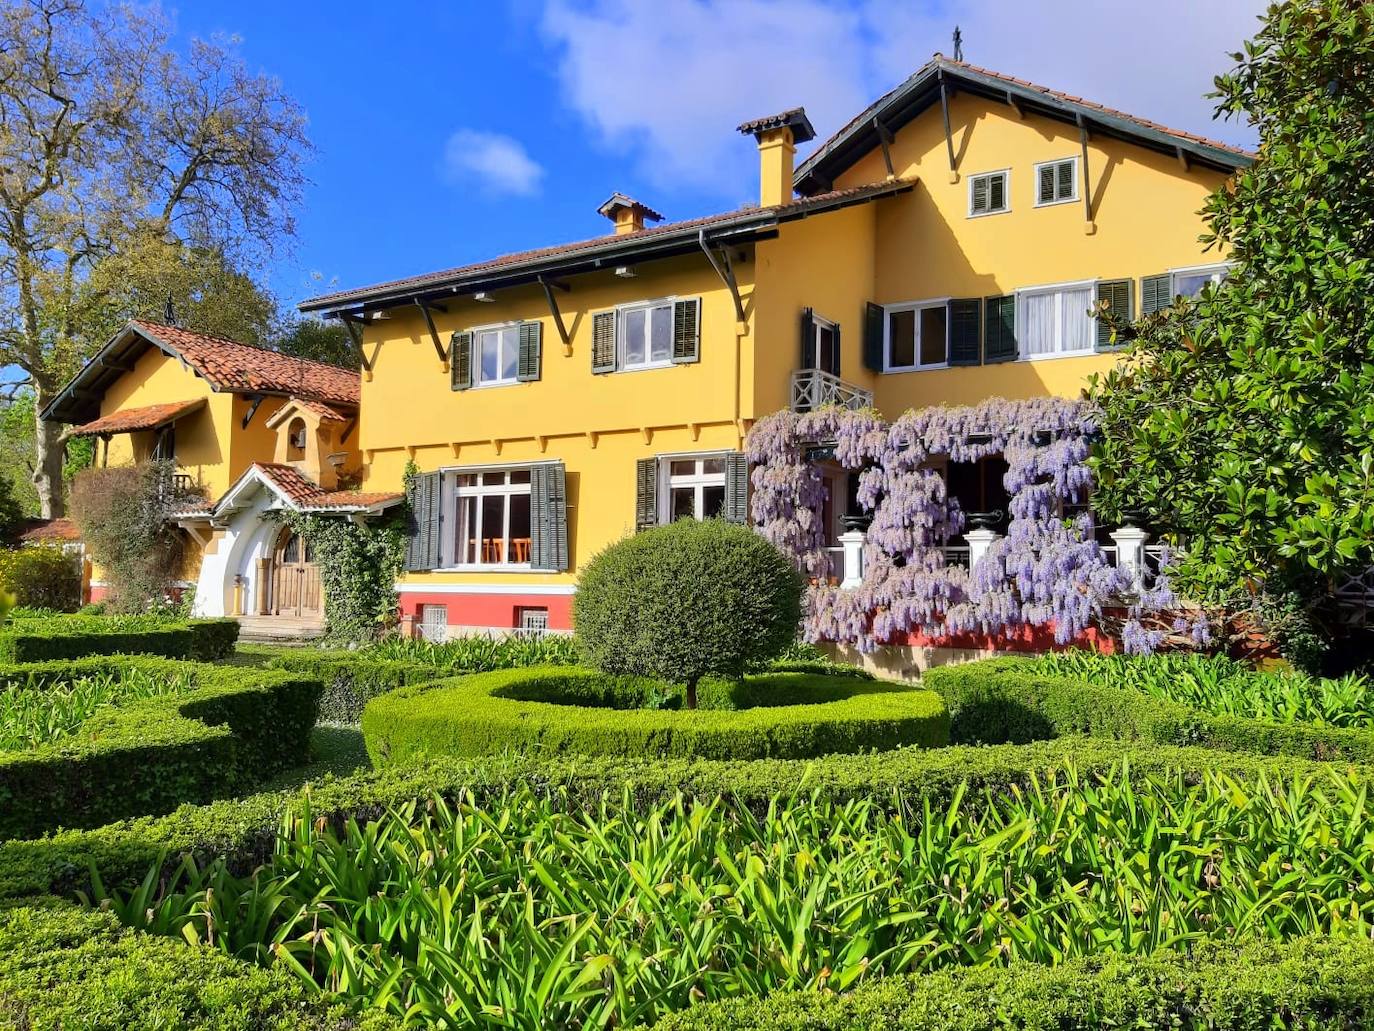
<point x="11" y="511"/>
<point x="230" y="730"/>
<point x="41" y="577"/>
<point x="813" y="895"/>
<point x="1011" y="700"/>
<point x="478" y="653"/>
<point x="71" y="637"/>
<point x="358" y="566"/>
<point x="34" y="712"/>
<point x="124" y="514"/>
<point x="561" y="709"/>
<point x="66" y="967"/>
<point x="1223" y="687"/>
<point x="1242" y="422"/>
<point x="351" y="678"/>
<point x="1312" y="983"/>
<point x="687" y="601"/>
<point x="319" y="341"/>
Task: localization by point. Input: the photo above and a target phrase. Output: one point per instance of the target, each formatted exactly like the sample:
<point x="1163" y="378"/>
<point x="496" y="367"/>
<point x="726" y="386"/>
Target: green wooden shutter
<point x="1154" y="294"/>
<point x="1066" y="171"/>
<point x="997" y="192"/>
<point x="1117" y="293"/>
<point x="736" y="488"/>
<point x="836" y="354"/>
<point x="603" y="342"/>
<point x="686" y="330"/>
<point x="808" y="339"/>
<point x="999" y="329"/>
<point x="529" y="365"/>
<point x="460" y="361"/>
<point x="1045" y="185"/>
<point x="965" y="326"/>
<point x="549" y="517"/>
<point x="423" y="536"/>
<point x="874" y="316"/>
<point x="979" y="203"/>
<point x="646" y="493"/>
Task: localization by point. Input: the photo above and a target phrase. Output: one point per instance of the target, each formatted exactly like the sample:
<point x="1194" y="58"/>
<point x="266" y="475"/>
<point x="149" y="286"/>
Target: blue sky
<point x="451" y="132"/>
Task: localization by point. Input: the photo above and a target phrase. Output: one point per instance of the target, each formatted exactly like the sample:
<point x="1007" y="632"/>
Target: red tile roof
<point x="44" y="531"/>
<point x="130" y="420"/>
<point x="240" y="368"/>
<point x="796" y="208"/>
<point x="307" y="496"/>
<point x="323" y="411"/>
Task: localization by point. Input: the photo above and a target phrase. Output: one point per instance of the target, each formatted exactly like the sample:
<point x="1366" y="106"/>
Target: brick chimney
<point x="627" y="213"/>
<point x="778" y="136"/>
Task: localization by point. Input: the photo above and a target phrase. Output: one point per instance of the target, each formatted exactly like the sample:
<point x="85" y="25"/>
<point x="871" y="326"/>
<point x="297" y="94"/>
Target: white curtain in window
<point x="1079" y="328"/>
<point x="1057" y="321"/>
<point x="1038" y="327"/>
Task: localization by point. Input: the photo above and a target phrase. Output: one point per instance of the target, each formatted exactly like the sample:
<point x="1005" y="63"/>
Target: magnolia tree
<point x="1047" y="571"/>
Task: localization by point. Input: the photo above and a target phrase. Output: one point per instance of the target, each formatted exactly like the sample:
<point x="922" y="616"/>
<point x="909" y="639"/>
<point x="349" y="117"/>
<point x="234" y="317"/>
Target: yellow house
<point x="945" y="246"/>
<point x="247" y="431"/>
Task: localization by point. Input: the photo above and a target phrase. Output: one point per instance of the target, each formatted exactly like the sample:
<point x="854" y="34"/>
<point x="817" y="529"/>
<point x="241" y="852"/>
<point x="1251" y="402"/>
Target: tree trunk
<point x="692" y="693"/>
<point x="48" y="459"/>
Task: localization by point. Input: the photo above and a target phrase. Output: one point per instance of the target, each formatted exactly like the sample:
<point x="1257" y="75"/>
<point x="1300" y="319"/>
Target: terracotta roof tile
<point x="802" y="132"/>
<point x="308" y="496"/>
<point x="131" y="419"/>
<point x="352" y="499"/>
<point x="430" y="279"/>
<point x="293" y="483"/>
<point x="240" y="368"/>
<point x="44" y="531"/>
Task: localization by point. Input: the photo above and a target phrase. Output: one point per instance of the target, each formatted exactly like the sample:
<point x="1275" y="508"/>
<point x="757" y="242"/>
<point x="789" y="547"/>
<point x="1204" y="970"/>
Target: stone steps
<point x="278" y="629"/>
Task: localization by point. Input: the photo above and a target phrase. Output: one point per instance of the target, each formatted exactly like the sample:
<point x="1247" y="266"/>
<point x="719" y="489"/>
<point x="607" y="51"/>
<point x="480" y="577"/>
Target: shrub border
<point x="469" y="716"/>
<point x="74" y="637"/>
<point x="235" y="727"/>
<point x="1002" y="701"/>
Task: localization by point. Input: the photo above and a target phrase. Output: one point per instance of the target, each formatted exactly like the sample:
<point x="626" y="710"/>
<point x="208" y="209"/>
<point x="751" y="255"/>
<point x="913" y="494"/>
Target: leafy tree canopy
<point x="1243" y="422"/>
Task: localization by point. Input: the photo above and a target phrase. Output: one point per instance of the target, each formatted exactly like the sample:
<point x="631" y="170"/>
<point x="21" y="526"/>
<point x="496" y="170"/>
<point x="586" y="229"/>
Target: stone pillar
<point x="979" y="541"/>
<point x="1130" y="552"/>
<point x="853" y="543"/>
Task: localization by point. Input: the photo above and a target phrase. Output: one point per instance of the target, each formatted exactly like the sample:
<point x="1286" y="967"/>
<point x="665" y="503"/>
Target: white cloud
<point x="667" y="82"/>
<point x="496" y="163"/>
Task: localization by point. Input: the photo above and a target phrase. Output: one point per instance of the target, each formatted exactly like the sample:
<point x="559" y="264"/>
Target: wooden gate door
<point x="295" y="578"/>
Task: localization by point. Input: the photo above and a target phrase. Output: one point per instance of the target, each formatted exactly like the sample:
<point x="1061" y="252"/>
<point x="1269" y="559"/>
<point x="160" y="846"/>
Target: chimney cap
<point x="618" y="200"/>
<point x="794" y="119"/>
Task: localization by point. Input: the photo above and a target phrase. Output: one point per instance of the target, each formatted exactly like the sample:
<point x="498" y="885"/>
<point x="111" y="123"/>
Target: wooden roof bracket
<point x="1089" y="226"/>
<point x="726" y="272"/>
<point x="1182" y="156"/>
<point x="351" y="323"/>
<point x="1011" y="99"/>
<point x="252" y="409"/>
<point x="885" y="140"/>
<point x="949" y="138"/>
<point x="425" y="308"/>
<point x="348" y="430"/>
<point x="549" y="286"/>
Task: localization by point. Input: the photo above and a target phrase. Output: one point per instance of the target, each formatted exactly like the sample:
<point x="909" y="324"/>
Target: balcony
<point x="813" y="388"/>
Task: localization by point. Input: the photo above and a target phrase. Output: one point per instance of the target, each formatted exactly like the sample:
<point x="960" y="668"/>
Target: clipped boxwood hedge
<point x="558" y="709"/>
<point x="1002" y="700"/>
<point x="66" y="967"/>
<point x="73" y="637"/>
<point x="235" y="727"/>
<point x="245" y="830"/>
<point x="1311" y="983"/>
<point x="351" y="679"/>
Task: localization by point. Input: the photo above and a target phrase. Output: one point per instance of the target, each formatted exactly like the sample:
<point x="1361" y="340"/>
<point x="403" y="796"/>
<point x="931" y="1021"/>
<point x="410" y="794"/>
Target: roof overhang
<point x="79" y="400"/>
<point x="134" y="420"/>
<point x="665" y="242"/>
<point x="255" y="480"/>
<point x="921" y="91"/>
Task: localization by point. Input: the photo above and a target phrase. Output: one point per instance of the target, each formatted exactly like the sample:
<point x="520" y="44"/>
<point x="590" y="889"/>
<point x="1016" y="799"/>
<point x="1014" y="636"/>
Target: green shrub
<point x="678" y="900"/>
<point x="66" y="967"/>
<point x="351" y="678"/>
<point x="1247" y="986"/>
<point x="244" y="830"/>
<point x="72" y="637"/>
<point x="479" y="653"/>
<point x="687" y="601"/>
<point x="1007" y="700"/>
<point x="41" y="577"/>
<point x="488" y="713"/>
<point x="236" y="727"/>
<point x="1224" y="687"/>
<point x="34" y="711"/>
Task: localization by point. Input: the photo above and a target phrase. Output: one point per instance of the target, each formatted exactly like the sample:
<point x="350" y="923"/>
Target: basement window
<point x="434" y="623"/>
<point x="989" y="194"/>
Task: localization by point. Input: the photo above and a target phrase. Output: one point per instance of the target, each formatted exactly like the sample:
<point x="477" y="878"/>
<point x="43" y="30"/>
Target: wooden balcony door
<point x="295" y="579"/>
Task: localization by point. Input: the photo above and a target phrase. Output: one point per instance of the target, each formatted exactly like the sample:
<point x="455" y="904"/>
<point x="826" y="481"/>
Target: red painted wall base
<point x="490" y="611"/>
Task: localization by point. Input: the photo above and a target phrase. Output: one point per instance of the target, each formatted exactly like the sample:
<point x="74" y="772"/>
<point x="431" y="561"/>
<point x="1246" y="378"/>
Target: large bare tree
<point x="121" y="159"/>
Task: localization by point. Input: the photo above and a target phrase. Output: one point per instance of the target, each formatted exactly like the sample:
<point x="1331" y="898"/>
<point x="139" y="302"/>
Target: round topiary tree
<point x="685" y="601"/>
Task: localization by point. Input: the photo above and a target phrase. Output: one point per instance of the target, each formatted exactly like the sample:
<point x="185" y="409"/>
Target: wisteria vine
<point x="1047" y="571"/>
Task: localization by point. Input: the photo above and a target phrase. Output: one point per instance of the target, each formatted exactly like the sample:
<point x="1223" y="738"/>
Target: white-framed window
<point x="691" y="487"/>
<point x="488" y="513"/>
<point x="496" y="354"/>
<point x="1056" y="182"/>
<point x="644" y="335"/>
<point x="917" y="336"/>
<point x="989" y="193"/>
<point x="434" y="623"/>
<point x="1055" y="320"/>
<point x="532" y="620"/>
<point x="1188" y="282"/>
<point x="821" y="351"/>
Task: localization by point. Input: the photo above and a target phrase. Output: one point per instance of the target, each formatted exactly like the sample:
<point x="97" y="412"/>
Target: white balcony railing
<point x="813" y="388"/>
